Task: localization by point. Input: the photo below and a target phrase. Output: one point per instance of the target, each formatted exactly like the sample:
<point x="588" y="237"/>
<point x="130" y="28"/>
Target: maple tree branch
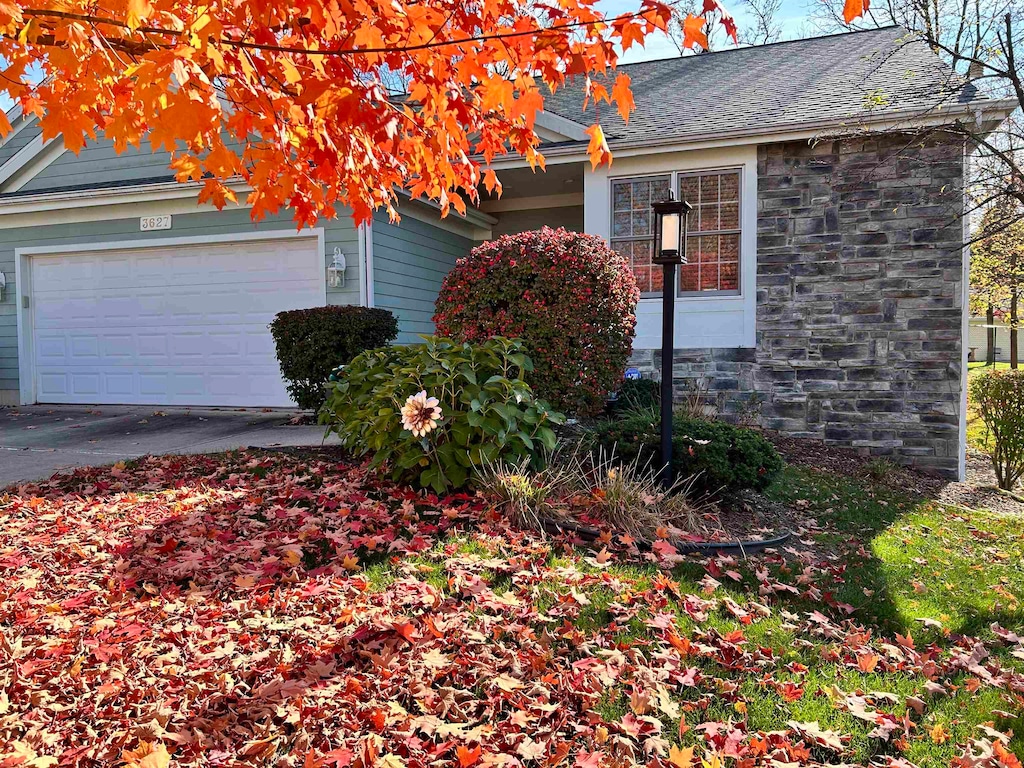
<point x="49" y="40"/>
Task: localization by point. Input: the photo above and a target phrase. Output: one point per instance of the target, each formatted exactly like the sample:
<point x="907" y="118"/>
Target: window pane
<point x="708" y="218"/>
<point x="622" y="220"/>
<point x="688" y="278"/>
<point x="622" y="197"/>
<point x="709" y="277"/>
<point x="729" y="277"/>
<point x="709" y="188"/>
<point x="689" y="189"/>
<point x="730" y="189"/>
<point x="661" y="187"/>
<point x="730" y="216"/>
<point x="642" y="222"/>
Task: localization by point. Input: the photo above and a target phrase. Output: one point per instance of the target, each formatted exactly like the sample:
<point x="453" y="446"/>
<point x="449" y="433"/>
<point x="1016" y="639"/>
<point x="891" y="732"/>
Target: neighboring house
<point x="978" y="338"/>
<point x="826" y="288"/>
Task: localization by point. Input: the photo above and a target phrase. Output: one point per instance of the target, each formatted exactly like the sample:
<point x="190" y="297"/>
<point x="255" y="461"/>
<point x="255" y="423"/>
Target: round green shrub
<point x="718" y="455"/>
<point x="313" y="342"/>
<point x="999" y="396"/>
<point x="488" y="412"/>
<point x="567" y="295"/>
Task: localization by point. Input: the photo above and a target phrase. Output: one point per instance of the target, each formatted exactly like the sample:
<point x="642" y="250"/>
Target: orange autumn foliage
<point x="316" y="104"/>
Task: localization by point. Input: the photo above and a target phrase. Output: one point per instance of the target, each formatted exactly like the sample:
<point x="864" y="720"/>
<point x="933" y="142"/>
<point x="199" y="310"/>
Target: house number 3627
<point x="150" y="223"/>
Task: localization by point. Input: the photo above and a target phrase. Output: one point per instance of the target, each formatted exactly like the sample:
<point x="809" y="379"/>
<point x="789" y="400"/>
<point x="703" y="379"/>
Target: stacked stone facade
<point x="859" y="300"/>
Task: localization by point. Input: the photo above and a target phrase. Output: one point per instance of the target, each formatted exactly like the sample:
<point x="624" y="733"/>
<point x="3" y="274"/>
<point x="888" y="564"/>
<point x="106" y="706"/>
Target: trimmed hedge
<point x="311" y="343"/>
<point x="719" y="455"/>
<point x="567" y="295"/>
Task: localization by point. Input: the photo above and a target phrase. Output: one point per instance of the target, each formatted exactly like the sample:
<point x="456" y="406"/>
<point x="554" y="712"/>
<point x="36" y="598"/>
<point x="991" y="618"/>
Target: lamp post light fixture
<point x="669" y="251"/>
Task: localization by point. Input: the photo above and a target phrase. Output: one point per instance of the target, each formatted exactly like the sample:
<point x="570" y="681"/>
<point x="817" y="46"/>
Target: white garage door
<point x="175" y="325"/>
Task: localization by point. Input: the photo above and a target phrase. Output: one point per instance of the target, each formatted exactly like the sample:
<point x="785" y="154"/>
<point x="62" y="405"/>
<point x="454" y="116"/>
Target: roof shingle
<point x="839" y="79"/>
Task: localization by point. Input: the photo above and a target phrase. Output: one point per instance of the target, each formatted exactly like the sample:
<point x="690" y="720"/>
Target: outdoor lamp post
<point x="669" y="251"/>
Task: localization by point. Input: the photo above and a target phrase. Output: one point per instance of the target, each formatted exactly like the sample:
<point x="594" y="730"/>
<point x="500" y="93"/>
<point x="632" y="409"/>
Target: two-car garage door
<point x="168" y="325"/>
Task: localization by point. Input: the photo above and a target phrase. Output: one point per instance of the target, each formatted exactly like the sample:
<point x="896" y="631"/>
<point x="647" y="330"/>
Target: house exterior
<point x="825" y="292"/>
<point x="979" y="335"/>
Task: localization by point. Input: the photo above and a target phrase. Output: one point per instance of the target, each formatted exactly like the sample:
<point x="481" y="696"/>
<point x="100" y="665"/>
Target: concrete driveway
<point x="38" y="440"/>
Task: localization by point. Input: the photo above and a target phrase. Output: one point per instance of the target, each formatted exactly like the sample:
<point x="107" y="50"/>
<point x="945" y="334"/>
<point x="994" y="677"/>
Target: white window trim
<point x="717" y="320"/>
<point x="23" y="286"/>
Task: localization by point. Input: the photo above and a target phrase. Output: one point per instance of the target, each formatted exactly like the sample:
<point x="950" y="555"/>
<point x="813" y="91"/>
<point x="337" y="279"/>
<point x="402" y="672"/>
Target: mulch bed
<point x="978" y="491"/>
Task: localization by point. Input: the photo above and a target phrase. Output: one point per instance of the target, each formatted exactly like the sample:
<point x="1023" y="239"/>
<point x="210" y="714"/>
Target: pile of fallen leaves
<point x="269" y="609"/>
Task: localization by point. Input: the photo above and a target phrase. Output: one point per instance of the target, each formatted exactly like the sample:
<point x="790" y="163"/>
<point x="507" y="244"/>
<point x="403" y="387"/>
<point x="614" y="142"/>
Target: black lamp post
<point x="669" y="251"/>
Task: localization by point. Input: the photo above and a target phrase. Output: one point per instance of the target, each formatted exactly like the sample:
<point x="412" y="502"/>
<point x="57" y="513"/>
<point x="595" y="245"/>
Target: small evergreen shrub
<point x="718" y="455"/>
<point x="999" y="396"/>
<point x="436" y="413"/>
<point x="634" y="394"/>
<point x="567" y="295"/>
<point x="313" y="342"/>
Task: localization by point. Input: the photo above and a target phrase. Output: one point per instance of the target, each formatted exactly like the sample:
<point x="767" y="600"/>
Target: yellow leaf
<point x="138" y="11"/>
<point x="681" y="757"/>
<point x="147" y="755"/>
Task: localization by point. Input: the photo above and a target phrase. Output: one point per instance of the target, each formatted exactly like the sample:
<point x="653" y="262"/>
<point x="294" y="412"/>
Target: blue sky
<point x="792" y="16"/>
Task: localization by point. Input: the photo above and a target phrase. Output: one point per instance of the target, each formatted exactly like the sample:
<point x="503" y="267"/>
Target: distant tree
<point x="983" y="42"/>
<point x="997" y="264"/>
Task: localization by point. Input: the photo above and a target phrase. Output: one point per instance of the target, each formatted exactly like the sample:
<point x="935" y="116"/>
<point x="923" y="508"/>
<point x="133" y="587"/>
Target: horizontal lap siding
<point x="99" y="163"/>
<point x="337" y="233"/>
<point x="18" y="142"/>
<point x="410" y="262"/>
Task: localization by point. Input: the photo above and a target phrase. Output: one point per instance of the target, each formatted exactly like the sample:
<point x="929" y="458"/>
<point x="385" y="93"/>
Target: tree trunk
<point x="990" y="331"/>
<point x="1013" y="330"/>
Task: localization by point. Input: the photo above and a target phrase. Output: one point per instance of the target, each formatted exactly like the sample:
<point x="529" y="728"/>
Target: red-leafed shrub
<point x="567" y="295"/>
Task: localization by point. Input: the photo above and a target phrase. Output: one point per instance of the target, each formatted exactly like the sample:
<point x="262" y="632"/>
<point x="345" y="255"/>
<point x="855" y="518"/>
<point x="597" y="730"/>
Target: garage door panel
<point x="182" y="325"/>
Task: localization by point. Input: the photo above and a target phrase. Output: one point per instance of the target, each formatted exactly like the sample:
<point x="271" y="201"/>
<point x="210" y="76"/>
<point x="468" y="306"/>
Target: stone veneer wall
<point x="860" y="248"/>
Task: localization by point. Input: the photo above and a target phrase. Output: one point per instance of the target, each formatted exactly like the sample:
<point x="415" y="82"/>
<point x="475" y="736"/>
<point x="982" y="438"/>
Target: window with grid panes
<point x="713" y="239"/>
<point x="633" y="226"/>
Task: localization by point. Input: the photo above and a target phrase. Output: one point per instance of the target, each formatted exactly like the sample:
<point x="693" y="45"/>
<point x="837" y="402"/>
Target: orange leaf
<point x="623" y="96"/>
<point x="854" y="9"/>
<point x="598" y="147"/>
<point x="693" y="32"/>
<point x="866" y="662"/>
<point x="467" y="756"/>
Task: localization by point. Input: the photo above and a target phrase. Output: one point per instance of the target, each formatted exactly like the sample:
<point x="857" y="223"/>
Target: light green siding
<point x="18" y="141"/>
<point x="99" y="163"/>
<point x="339" y="232"/>
<point x="409" y="263"/>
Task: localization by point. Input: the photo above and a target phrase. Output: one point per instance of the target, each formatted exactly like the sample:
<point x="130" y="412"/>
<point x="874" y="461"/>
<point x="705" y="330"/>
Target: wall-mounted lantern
<point x="3" y="284"/>
<point x="669" y="251"/>
<point x="336" y="271"/>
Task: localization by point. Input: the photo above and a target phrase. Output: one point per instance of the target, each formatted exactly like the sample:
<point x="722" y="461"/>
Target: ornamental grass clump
<point x="437" y="413"/>
<point x="999" y="396"/>
<point x="567" y="295"/>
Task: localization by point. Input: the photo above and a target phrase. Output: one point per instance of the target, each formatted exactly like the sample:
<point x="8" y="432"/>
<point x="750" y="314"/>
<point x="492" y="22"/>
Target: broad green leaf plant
<point x="383" y="404"/>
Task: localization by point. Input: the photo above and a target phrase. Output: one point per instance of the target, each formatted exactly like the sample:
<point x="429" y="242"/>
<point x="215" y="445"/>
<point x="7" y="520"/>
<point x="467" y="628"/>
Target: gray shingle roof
<point x="774" y="87"/>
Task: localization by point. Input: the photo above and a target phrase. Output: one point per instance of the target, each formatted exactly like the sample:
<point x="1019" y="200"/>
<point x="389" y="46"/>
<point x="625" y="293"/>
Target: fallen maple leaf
<point x="681" y="757"/>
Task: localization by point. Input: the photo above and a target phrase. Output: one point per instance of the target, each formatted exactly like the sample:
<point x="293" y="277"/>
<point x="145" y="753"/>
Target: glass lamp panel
<point x="670" y="231"/>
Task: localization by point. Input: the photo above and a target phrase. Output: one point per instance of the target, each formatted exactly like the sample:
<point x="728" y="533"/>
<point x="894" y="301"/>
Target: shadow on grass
<point x="905" y="559"/>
